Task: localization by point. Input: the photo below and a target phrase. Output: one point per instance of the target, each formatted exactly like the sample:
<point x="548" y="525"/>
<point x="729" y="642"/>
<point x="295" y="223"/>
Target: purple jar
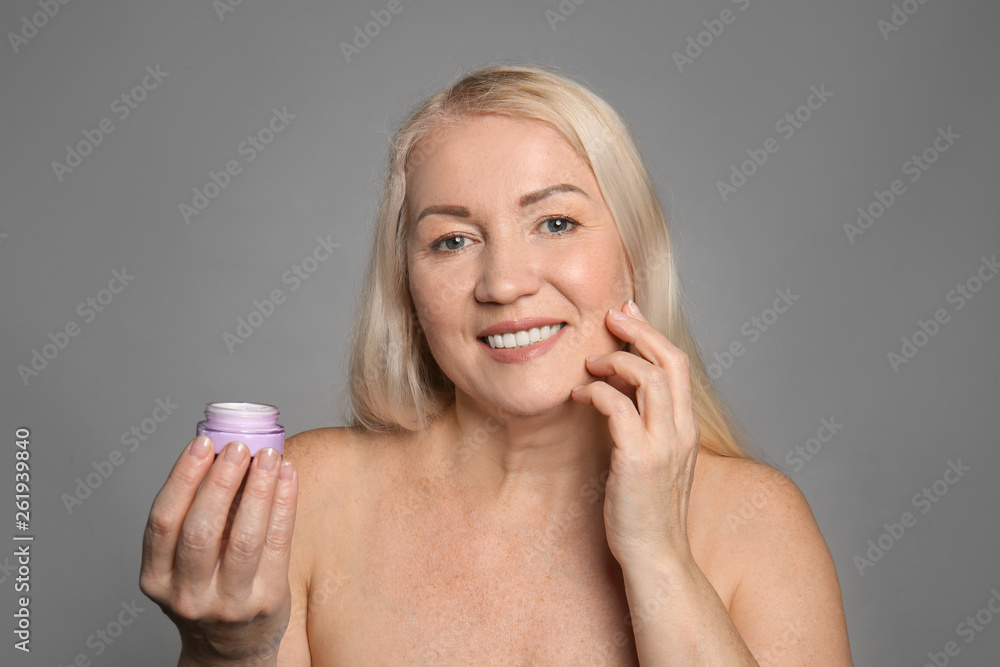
<point x="254" y="424"/>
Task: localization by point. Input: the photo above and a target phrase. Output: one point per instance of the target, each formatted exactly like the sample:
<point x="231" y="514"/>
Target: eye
<point x="450" y="244"/>
<point x="559" y="225"/>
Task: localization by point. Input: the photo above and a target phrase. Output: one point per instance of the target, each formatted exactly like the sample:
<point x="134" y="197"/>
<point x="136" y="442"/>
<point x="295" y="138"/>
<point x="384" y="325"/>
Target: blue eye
<point x="560" y="225"/>
<point x="450" y="244"/>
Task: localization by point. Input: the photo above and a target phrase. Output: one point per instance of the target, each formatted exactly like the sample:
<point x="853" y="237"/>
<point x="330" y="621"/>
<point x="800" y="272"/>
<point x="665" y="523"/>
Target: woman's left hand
<point x="647" y="401"/>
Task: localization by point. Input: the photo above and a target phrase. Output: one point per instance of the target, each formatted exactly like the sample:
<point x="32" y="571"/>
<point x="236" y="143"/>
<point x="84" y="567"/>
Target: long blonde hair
<point x="395" y="382"/>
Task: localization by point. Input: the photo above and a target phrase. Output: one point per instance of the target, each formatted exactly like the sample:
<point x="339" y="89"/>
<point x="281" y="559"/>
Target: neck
<point x="538" y="463"/>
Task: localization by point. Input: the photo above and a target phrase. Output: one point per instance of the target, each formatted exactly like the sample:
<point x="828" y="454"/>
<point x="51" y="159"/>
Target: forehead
<point x="492" y="155"/>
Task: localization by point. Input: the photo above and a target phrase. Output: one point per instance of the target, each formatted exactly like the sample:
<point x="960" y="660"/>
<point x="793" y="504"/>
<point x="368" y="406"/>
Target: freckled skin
<point x="509" y="266"/>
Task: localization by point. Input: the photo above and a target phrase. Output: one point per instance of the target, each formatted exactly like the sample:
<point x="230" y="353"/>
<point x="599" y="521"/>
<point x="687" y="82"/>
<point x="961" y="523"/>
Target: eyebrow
<point x="527" y="200"/>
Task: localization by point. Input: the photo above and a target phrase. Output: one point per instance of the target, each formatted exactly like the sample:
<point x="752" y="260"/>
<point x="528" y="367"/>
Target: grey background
<point x="826" y="357"/>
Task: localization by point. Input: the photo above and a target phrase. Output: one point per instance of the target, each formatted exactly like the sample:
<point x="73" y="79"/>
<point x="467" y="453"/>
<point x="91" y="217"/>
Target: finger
<point x="276" y="553"/>
<point x="658" y="349"/>
<point x="170" y="507"/>
<point x="201" y="534"/>
<point x="648" y="342"/>
<point x="622" y="386"/>
<point x="624" y="423"/>
<point x="652" y="383"/>
<point x="249" y="528"/>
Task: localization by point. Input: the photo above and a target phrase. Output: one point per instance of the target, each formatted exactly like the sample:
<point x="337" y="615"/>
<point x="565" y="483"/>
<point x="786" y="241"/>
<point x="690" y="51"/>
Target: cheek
<point x="422" y="295"/>
<point x="600" y="279"/>
<point x="437" y="299"/>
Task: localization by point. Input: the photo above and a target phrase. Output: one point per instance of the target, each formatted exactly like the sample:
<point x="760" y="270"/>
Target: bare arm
<point x="788" y="604"/>
<point x="786" y="610"/>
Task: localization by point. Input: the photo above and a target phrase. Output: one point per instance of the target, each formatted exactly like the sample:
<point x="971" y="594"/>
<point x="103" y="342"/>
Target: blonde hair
<point x="395" y="382"/>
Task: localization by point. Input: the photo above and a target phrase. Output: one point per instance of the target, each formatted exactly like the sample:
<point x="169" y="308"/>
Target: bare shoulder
<point x="758" y="512"/>
<point x="321" y="447"/>
<point x="753" y="498"/>
<point x="787" y="603"/>
<point x="332" y="462"/>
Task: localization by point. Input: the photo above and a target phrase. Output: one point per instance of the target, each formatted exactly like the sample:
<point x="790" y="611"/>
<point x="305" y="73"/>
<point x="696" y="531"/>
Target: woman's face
<point x="510" y="233"/>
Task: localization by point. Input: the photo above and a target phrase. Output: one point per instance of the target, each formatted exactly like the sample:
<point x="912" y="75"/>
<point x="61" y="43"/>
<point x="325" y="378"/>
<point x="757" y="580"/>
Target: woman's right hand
<point x="216" y="559"/>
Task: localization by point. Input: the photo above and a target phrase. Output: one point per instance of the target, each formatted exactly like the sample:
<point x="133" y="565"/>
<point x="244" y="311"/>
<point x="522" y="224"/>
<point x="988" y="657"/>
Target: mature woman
<point x="539" y="470"/>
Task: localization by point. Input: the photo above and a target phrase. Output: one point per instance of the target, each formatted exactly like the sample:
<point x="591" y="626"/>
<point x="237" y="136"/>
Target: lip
<point x="517" y="355"/>
<point x="513" y="326"/>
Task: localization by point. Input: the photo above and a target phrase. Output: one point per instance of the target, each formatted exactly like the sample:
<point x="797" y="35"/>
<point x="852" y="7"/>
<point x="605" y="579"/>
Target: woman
<point x="537" y="472"/>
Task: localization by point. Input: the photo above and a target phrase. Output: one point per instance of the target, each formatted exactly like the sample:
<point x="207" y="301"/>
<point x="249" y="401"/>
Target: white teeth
<point x="523" y="338"/>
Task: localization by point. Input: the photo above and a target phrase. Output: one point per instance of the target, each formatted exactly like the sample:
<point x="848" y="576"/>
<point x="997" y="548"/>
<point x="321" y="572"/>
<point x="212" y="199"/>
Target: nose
<point x="509" y="269"/>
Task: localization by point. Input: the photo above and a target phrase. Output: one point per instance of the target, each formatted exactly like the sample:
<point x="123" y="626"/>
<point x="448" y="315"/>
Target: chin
<point x="529" y="403"/>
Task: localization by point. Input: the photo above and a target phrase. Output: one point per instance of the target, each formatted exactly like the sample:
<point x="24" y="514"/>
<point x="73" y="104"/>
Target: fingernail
<point x="235" y="452"/>
<point x="201" y="447"/>
<point x="267" y="459"/>
<point x="634" y="309"/>
<point x="593" y="357"/>
<point x="286" y="470"/>
<point x="576" y="388"/>
<point x="617" y="314"/>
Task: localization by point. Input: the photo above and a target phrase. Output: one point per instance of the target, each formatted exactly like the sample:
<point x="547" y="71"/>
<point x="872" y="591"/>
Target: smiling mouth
<point x="524" y="338"/>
